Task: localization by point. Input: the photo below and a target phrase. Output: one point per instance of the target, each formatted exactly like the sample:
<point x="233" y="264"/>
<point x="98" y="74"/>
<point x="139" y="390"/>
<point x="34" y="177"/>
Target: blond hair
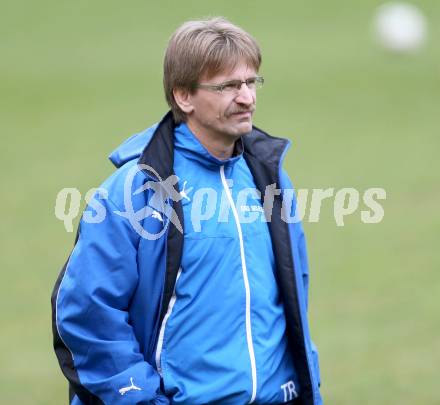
<point x="204" y="48"/>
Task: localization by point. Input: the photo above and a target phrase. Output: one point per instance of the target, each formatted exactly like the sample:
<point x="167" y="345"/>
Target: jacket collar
<point x="159" y="152"/>
<point x="187" y="144"/>
<point x="259" y="146"/>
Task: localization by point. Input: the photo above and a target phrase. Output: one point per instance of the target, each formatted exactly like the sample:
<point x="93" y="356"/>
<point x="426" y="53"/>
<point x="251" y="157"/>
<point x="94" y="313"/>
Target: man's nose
<point x="245" y="95"/>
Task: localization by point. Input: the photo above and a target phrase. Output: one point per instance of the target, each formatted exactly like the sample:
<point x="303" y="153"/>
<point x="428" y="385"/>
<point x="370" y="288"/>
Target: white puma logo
<point x="157" y="215"/>
<point x="131" y="387"/>
<point x="183" y="193"/>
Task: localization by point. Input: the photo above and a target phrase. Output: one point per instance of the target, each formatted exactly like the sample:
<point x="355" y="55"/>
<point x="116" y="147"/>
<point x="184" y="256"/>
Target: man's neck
<point x="220" y="146"/>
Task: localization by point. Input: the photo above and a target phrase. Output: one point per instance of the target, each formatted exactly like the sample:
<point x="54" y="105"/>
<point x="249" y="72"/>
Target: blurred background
<point x="77" y="78"/>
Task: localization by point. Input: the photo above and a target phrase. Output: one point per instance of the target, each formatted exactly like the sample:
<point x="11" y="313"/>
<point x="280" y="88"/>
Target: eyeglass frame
<point x="220" y="87"/>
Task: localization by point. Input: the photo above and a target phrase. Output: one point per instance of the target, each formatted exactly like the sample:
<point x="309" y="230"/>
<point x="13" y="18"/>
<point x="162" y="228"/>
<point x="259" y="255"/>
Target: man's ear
<point x="183" y="100"/>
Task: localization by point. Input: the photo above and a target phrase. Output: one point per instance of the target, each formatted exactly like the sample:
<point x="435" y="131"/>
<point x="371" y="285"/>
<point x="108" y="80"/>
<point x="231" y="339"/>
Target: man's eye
<point x="230" y="86"/>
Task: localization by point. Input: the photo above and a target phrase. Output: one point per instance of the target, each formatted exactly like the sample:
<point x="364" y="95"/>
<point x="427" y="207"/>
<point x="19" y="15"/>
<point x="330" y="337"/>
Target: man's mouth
<point x="243" y="114"/>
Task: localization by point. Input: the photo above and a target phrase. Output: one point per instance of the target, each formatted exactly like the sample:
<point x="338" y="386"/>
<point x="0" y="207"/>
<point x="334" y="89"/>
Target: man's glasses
<point x="234" y="86"/>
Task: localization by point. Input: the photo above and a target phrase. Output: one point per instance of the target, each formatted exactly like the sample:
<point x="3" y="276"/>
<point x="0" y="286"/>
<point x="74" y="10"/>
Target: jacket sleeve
<point x="93" y="339"/>
<point x="299" y="241"/>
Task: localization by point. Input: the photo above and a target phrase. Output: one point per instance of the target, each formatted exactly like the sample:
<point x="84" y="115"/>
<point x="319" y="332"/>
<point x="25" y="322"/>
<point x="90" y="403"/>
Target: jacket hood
<point x="132" y="147"/>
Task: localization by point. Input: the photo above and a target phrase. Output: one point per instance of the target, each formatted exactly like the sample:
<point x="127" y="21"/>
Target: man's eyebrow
<point x="231" y="81"/>
<point x="238" y="80"/>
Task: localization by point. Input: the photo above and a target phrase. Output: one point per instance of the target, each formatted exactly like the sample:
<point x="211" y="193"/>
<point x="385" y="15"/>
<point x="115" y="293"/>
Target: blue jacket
<point x="136" y="322"/>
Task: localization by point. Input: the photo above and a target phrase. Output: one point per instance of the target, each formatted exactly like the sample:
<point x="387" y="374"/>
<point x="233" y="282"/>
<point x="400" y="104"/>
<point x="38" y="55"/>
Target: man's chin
<point x="242" y="128"/>
<point x="246" y="128"/>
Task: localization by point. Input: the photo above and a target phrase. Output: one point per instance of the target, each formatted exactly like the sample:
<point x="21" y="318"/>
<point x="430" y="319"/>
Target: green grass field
<point x="77" y="78"/>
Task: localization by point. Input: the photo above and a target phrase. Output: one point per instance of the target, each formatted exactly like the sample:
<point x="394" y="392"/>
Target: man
<point x="193" y="289"/>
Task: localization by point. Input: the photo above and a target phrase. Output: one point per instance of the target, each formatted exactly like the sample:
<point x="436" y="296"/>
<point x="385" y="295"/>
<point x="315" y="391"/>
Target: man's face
<point x="227" y="113"/>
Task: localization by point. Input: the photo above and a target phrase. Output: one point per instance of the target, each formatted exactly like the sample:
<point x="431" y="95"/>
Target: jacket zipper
<point x="246" y="286"/>
<point x="163" y="325"/>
